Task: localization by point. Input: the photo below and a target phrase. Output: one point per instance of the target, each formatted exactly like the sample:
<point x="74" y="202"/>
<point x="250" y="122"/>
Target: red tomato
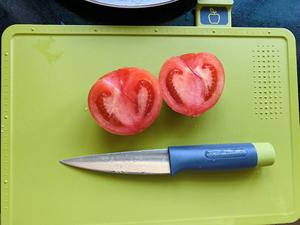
<point x="125" y="101"/>
<point x="192" y="83"/>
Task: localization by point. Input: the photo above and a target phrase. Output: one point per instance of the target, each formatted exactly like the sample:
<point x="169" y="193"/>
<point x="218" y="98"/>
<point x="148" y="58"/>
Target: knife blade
<point x="175" y="159"/>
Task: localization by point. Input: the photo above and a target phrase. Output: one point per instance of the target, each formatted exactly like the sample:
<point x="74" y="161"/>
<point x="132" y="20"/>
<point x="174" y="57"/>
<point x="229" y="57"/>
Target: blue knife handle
<point x="220" y="156"/>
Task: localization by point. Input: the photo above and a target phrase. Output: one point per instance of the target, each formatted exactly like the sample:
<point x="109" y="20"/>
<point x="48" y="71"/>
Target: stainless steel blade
<point x="132" y="162"/>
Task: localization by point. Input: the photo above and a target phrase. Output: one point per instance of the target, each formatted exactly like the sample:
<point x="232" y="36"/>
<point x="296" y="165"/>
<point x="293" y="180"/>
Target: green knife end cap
<point x="265" y="154"/>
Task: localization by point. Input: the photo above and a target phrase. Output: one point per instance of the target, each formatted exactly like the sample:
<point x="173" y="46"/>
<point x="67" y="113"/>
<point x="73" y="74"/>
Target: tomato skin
<point x="192" y="83"/>
<point x="125" y="101"/>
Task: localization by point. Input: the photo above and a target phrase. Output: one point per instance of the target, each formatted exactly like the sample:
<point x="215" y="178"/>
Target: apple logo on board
<point x="213" y="16"/>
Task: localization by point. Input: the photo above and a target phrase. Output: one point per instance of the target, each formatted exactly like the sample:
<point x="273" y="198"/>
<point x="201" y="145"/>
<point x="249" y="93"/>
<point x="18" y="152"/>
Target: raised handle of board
<point x="213" y="14"/>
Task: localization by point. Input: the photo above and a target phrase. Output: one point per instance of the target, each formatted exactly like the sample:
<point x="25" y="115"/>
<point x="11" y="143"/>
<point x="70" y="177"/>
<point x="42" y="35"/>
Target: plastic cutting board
<point x="47" y="72"/>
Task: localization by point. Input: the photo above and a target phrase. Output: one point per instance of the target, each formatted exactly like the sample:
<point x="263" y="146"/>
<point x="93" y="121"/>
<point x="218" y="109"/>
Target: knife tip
<point x="63" y="162"/>
<point x="68" y="162"/>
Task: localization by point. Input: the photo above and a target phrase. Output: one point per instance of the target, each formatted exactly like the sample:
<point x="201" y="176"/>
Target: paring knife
<point x="178" y="158"/>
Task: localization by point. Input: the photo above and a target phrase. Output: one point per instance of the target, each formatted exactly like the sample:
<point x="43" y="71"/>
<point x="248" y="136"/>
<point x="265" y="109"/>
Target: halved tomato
<point x="192" y="83"/>
<point x="125" y="101"/>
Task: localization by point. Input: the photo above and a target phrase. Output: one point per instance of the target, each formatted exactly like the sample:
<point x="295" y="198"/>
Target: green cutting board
<point x="47" y="72"/>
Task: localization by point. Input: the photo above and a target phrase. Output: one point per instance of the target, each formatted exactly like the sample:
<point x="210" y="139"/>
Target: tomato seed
<point x="170" y="85"/>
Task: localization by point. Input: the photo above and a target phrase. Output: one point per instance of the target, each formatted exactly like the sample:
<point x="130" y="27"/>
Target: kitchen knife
<point x="178" y="158"/>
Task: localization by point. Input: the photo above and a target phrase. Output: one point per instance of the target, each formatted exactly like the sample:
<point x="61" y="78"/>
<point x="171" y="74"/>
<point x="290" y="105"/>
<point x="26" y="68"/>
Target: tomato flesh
<point x="192" y="83"/>
<point x="125" y="101"/>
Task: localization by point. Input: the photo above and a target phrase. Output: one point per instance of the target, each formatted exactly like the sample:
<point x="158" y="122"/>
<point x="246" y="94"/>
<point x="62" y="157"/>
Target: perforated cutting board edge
<point x="39" y="59"/>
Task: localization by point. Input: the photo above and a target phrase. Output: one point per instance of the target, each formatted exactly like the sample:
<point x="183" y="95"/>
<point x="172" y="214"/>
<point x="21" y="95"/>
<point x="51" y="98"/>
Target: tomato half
<point x="125" y="101"/>
<point x="192" y="83"/>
